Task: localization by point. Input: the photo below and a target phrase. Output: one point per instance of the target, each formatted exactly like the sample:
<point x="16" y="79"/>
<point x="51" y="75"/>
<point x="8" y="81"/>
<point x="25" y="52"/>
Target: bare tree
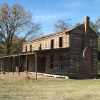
<point x="15" y="20"/>
<point x="61" y="25"/>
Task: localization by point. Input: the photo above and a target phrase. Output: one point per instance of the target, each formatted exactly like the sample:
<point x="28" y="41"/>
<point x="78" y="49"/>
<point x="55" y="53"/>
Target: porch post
<point x="13" y="64"/>
<point x="35" y="65"/>
<point x="1" y="66"/>
<point x="8" y="64"/>
<point x="19" y="61"/>
<point x="4" y="65"/>
<point x="26" y="68"/>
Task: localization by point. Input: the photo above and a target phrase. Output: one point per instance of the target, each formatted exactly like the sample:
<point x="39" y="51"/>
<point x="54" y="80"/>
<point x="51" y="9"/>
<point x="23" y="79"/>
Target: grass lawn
<point x="49" y="89"/>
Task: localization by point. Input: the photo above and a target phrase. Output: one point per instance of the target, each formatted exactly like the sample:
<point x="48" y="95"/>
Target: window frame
<point x="52" y="44"/>
<point x="60" y="41"/>
<point x="30" y="48"/>
<point x="25" y="48"/>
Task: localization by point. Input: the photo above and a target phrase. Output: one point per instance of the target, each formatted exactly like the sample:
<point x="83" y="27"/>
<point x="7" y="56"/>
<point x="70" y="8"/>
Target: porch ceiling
<point x="36" y="51"/>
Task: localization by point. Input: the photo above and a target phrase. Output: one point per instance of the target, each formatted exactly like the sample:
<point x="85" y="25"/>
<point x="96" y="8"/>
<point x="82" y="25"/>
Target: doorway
<point x="41" y="64"/>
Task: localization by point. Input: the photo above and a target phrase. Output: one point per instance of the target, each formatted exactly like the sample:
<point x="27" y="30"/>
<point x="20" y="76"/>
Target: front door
<point x="41" y="64"/>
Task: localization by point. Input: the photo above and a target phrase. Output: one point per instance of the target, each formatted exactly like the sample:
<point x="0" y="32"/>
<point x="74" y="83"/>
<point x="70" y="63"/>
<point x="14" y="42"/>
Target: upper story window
<point x="40" y="47"/>
<point x="52" y="44"/>
<point x="30" y="47"/>
<point x="25" y="48"/>
<point x="60" y="41"/>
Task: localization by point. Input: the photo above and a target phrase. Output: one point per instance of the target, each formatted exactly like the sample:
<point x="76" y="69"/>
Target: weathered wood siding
<point x="76" y="51"/>
<point x="46" y="42"/>
<point x="94" y="60"/>
<point x="31" y="63"/>
<point x="77" y="46"/>
<point x="59" y="66"/>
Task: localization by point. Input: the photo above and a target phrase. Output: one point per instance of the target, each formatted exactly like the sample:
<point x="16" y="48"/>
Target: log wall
<point x="46" y="42"/>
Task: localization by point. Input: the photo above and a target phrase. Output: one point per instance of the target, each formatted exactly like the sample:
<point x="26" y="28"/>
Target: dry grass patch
<point x="49" y="89"/>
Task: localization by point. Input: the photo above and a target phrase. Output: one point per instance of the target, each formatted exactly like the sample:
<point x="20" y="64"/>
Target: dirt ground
<point x="24" y="75"/>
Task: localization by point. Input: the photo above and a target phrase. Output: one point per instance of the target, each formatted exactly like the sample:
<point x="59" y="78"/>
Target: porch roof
<point x="33" y="52"/>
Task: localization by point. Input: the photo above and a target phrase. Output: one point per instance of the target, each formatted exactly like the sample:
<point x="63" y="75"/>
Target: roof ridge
<point x="53" y="33"/>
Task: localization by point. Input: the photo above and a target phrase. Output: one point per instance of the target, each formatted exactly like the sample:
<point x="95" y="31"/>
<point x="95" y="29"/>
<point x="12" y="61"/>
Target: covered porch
<point x="38" y="61"/>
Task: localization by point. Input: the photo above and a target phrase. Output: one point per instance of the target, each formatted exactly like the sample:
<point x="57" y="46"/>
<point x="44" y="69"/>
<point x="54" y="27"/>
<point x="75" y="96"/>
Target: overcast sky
<point x="49" y="11"/>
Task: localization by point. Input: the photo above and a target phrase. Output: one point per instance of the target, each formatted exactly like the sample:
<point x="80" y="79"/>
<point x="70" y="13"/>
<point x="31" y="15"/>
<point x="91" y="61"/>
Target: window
<point x="51" y="62"/>
<point x="40" y="47"/>
<point x="25" y="48"/>
<point x="61" y="58"/>
<point x="60" y="41"/>
<point x="31" y="48"/>
<point x="61" y="67"/>
<point x="52" y="44"/>
<point x="51" y="66"/>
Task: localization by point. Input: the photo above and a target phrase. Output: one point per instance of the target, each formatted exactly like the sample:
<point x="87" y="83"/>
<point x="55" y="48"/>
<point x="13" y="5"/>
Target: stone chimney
<point x="86" y="66"/>
<point x="86" y="23"/>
